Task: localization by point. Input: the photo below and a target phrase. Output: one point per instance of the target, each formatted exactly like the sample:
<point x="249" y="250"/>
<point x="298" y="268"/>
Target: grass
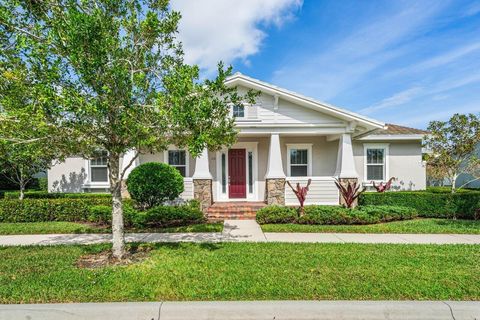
<point x="245" y="271"/>
<point x="407" y="226"/>
<point x="75" y="227"/>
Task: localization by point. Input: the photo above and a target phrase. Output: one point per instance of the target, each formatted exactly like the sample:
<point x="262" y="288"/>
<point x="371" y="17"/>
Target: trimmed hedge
<point x="276" y="214"/>
<point x="169" y="216"/>
<point x="428" y="204"/>
<point x="103" y="214"/>
<point x="336" y="215"/>
<point x="42" y="210"/>
<point x="54" y="195"/>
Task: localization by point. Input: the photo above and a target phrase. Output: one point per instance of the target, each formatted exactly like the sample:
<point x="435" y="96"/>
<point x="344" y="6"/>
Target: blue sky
<point x="405" y="62"/>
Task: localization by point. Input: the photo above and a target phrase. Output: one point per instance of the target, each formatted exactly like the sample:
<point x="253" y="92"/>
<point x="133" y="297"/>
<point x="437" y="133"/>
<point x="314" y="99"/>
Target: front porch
<point x="257" y="168"/>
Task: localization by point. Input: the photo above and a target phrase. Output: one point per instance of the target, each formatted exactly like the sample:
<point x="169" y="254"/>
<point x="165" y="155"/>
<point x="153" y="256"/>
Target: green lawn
<point x="408" y="226"/>
<point x="245" y="271"/>
<point x="74" y="227"/>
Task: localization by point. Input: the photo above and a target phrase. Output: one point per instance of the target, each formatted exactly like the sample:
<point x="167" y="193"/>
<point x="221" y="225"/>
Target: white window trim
<point x="94" y="184"/>
<point x="248" y="146"/>
<point x="307" y="146"/>
<point x="187" y="158"/>
<point x="245" y="112"/>
<point x="386" y="147"/>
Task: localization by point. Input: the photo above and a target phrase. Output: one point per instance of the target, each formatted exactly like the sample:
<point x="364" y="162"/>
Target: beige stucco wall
<point x="68" y="176"/>
<point x="404" y="163"/>
<point x="324" y="153"/>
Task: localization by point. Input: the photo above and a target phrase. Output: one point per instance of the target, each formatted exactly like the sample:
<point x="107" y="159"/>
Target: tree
<point x="23" y="129"/>
<point x="118" y="82"/>
<point x="20" y="161"/>
<point x="451" y="147"/>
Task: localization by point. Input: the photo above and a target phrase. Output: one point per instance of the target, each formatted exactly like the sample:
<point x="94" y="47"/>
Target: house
<point x="284" y="136"/>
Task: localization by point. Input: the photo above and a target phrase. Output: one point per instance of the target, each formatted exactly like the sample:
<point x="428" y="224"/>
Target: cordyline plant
<point x="383" y="187"/>
<point x="350" y="192"/>
<point x="301" y="193"/>
<point x="110" y="76"/>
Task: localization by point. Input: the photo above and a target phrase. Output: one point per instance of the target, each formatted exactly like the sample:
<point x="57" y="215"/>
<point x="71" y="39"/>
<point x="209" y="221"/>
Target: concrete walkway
<point x="248" y="310"/>
<point x="243" y="231"/>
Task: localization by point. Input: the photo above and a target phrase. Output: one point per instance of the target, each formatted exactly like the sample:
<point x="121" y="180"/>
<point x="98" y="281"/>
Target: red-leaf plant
<point x="383" y="187"/>
<point x="301" y="193"/>
<point x="351" y="192"/>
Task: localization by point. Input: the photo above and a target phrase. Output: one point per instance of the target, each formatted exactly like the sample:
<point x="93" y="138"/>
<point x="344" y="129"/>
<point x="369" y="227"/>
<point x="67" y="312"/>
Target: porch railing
<point x="322" y="190"/>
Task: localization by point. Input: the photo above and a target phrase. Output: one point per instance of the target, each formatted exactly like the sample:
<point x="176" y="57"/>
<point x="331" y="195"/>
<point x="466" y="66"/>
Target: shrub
<point x="153" y="183"/>
<point x="335" y="215"/>
<point x="276" y="214"/>
<point x="103" y="214"/>
<point x="43" y="184"/>
<point x="389" y="213"/>
<point x="42" y="210"/>
<point x="325" y="215"/>
<point x="54" y="195"/>
<point x="100" y="214"/>
<point x="166" y="216"/>
<point x="429" y="204"/>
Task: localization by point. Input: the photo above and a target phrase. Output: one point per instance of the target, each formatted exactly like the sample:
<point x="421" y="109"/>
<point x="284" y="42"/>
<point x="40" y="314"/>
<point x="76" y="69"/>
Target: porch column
<point x="345" y="172"/>
<point x="275" y="177"/>
<point x="127" y="158"/>
<point x="202" y="181"/>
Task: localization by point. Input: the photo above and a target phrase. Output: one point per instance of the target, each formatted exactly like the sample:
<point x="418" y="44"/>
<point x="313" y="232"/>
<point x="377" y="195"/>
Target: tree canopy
<point x="451" y="147"/>
<point x="110" y="75"/>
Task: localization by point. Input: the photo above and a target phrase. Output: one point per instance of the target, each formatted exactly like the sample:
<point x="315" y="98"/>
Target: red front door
<point x="237" y="187"/>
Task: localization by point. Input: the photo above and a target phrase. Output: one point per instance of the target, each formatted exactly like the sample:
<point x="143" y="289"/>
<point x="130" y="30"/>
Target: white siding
<point x="187" y="194"/>
<point x="322" y="190"/>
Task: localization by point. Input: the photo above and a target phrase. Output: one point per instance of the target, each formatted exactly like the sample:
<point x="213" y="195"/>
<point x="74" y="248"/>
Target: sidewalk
<point x="243" y="231"/>
<point x="248" y="310"/>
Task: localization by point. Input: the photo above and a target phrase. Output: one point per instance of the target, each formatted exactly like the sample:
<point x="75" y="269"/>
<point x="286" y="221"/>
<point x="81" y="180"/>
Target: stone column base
<point x="202" y="191"/>
<point x="275" y="191"/>
<point x="344" y="182"/>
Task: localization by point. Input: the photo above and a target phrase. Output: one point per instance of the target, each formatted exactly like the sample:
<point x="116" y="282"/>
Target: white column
<point x="275" y="166"/>
<point x="127" y="158"/>
<point x="345" y="160"/>
<point x="202" y="170"/>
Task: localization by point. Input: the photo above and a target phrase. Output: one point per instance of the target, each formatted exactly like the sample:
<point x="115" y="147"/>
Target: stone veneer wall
<point x="202" y="191"/>
<point x="275" y="191"/>
<point x="344" y="182"/>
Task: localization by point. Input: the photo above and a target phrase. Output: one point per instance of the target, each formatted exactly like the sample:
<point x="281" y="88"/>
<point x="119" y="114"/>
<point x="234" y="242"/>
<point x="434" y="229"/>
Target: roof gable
<point x="305" y="102"/>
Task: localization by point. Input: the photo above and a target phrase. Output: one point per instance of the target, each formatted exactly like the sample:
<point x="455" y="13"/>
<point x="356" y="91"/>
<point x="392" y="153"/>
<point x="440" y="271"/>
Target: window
<point x="98" y="167"/>
<point x="178" y="159"/>
<point x="250" y="172"/>
<point x="239" y="111"/>
<point x="299" y="160"/>
<point x="224" y="173"/>
<point x="376" y="162"/>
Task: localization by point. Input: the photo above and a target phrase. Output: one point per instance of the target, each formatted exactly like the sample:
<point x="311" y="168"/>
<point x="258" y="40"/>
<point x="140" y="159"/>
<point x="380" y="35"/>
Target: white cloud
<point x="397" y="99"/>
<point x="214" y="30"/>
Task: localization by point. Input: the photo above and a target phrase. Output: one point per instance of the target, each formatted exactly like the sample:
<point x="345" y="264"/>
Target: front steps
<point x="234" y="210"/>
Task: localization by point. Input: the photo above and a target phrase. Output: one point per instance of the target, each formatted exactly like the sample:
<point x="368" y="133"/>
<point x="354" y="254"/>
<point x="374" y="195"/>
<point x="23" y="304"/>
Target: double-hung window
<point x="299" y="160"/>
<point x="98" y="167"/>
<point x="238" y="111"/>
<point x="178" y="159"/>
<point x="376" y="162"/>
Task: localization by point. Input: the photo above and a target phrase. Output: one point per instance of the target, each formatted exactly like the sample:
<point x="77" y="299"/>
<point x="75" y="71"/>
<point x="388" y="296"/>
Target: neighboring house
<point x="283" y="135"/>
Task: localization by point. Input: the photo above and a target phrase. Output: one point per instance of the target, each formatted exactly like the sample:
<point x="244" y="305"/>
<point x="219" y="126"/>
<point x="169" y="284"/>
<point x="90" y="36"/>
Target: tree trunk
<point x="118" y="241"/>
<point x="454" y="179"/>
<point x="22" y="185"/>
<point x="22" y="191"/>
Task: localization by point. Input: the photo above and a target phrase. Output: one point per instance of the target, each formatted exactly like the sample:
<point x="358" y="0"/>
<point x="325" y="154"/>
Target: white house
<point x="283" y="136"/>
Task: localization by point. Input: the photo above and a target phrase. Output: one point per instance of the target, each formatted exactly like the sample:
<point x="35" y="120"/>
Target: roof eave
<point x="308" y="102"/>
